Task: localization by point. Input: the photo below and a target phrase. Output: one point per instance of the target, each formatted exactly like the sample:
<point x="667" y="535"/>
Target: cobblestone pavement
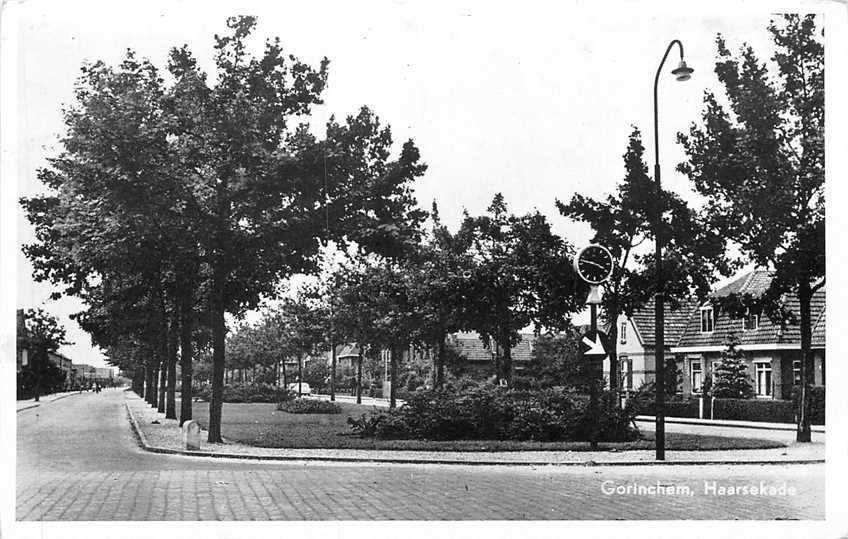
<point x="77" y="460"/>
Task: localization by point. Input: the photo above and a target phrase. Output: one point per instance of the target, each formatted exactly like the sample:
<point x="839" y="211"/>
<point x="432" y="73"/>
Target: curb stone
<point x="381" y="460"/>
<point x="37" y="404"/>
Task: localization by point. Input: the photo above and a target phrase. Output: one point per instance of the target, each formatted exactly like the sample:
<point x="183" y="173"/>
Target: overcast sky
<point x="528" y="99"/>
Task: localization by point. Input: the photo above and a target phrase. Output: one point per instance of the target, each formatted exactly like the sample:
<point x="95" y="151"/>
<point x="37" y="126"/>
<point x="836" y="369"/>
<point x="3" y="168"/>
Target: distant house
<point x="84" y="373"/>
<point x="478" y="361"/>
<point x="696" y="334"/>
<point x="471" y="355"/>
<point x="104" y="374"/>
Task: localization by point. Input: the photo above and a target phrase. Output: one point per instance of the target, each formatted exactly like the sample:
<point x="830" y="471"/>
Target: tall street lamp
<point x="682" y="73"/>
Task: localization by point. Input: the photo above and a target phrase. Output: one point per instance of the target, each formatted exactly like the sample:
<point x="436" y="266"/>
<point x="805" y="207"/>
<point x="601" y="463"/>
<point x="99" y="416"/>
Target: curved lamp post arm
<point x="656" y="117"/>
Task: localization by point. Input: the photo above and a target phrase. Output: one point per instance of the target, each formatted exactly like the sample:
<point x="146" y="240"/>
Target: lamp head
<point x="683" y="72"/>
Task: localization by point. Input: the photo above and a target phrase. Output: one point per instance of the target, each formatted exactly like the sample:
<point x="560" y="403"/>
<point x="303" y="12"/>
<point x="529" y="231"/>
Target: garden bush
<point x="237" y="393"/>
<point x="644" y="403"/>
<point x="309" y="406"/>
<point x="488" y="412"/>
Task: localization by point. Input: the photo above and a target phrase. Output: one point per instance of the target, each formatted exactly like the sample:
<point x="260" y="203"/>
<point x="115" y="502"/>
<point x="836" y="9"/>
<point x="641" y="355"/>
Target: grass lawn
<point x="261" y="425"/>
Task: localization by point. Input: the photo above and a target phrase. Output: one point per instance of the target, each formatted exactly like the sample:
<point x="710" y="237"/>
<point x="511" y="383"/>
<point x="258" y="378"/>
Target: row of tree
<point x="174" y="203"/>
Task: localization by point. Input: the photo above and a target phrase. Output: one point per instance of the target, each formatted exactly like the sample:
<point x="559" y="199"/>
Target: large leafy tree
<point x="758" y="157"/>
<point x="440" y="291"/>
<point x="626" y="220"/>
<point x="521" y="274"/>
<point x="104" y="229"/>
<point x="259" y="180"/>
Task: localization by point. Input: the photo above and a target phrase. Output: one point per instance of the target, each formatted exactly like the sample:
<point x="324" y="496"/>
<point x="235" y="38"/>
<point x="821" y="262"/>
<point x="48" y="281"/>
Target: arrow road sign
<point x="593" y="345"/>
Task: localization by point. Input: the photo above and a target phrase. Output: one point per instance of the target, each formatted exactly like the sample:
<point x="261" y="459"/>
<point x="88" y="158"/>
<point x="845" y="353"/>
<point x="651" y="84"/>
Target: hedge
<point x="249" y="393"/>
<point x="817" y="403"/>
<point x="773" y="411"/>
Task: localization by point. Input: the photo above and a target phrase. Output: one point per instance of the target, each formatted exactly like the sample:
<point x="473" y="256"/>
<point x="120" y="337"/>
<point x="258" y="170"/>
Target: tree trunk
<point x="148" y="384"/>
<point x="393" y="368"/>
<point x="506" y="362"/>
<point x="138" y="382"/>
<point x="154" y="384"/>
<point x="171" y="397"/>
<point x="216" y="404"/>
<point x="186" y="353"/>
<point x="333" y="369"/>
<point x="804" y="433"/>
<point x="440" y="361"/>
<point x="163" y="383"/>
<point x="299" y="376"/>
<point x="285" y="375"/>
<point x="359" y="377"/>
<point x="498" y="368"/>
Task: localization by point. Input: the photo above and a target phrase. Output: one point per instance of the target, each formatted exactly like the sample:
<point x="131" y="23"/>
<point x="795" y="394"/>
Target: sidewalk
<point x="26" y="404"/>
<point x="165" y="437"/>
<point x="729" y="423"/>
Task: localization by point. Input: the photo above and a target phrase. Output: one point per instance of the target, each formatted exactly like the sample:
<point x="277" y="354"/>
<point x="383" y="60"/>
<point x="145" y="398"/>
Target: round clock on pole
<point x="594" y="264"/>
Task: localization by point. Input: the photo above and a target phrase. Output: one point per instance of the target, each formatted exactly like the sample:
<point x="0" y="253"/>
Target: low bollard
<point x="191" y="435"/>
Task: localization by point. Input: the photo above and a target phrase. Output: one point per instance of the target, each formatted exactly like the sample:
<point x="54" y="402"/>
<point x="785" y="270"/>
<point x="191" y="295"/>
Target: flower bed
<point x="489" y="412"/>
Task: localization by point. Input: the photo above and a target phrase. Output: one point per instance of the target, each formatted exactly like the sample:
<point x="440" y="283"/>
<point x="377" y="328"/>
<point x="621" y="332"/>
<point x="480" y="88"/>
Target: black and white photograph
<point x="476" y="268"/>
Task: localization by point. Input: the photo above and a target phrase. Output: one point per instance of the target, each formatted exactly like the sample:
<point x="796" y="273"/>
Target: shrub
<point x="731" y="373"/>
<point x="248" y="393"/>
<point x="777" y="411"/>
<point x="486" y="412"/>
<point x="309" y="406"/>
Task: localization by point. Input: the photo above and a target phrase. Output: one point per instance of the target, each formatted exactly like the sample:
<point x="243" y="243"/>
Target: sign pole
<point x="593" y="380"/>
<point x="594" y="264"/>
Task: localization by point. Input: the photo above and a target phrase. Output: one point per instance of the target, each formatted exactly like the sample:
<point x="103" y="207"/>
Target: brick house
<point x="696" y="333"/>
<point x="772" y="350"/>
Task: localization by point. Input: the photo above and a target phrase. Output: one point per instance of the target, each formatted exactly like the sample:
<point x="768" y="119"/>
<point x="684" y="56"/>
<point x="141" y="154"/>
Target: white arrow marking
<point x="596" y="347"/>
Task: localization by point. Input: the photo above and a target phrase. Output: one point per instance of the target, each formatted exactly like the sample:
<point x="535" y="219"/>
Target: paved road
<point x="78" y="460"/>
<point x="785" y="436"/>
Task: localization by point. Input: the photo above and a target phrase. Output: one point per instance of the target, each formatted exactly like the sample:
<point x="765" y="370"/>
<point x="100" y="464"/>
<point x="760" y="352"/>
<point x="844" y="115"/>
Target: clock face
<point x="594" y="264"/>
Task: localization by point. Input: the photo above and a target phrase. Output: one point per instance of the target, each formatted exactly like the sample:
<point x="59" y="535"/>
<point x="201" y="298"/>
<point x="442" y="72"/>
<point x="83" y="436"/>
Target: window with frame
<point x="822" y="369"/>
<point x="707" y="320"/>
<point x="762" y="378"/>
<point x="751" y="322"/>
<point x="626" y="371"/>
<point x="696" y="375"/>
<point x="623" y="332"/>
<point x="796" y="372"/>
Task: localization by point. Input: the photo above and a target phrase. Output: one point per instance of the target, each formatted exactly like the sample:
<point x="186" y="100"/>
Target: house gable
<point x="767" y="336"/>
